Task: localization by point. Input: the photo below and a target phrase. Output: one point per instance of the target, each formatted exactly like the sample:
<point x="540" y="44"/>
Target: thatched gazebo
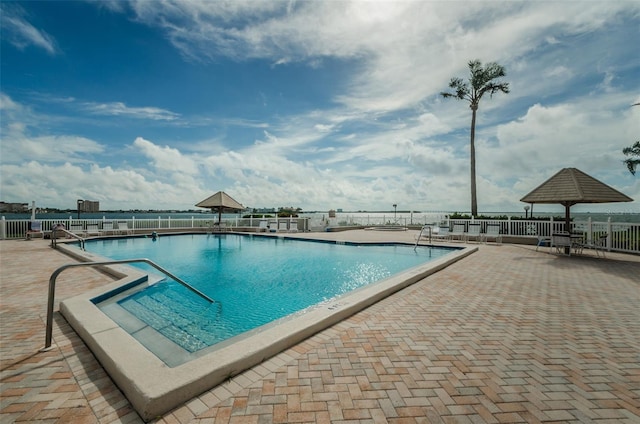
<point x="571" y="186"/>
<point x="221" y="202"/>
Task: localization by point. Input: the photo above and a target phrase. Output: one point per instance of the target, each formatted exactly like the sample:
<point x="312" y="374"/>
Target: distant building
<point x="14" y="207"/>
<point x="88" y="206"/>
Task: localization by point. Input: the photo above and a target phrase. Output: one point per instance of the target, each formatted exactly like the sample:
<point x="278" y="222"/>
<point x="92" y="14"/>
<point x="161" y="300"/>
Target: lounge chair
<point x="426" y="232"/>
<point x="264" y="226"/>
<point x="93" y="230"/>
<point x="282" y="226"/>
<point x="293" y="226"/>
<point x="458" y="231"/>
<point x="431" y="232"/>
<point x="493" y="232"/>
<point x="273" y="226"/>
<point x="473" y="232"/>
<point x="76" y="229"/>
<point x="35" y="229"/>
<point x="123" y="228"/>
<point x="442" y="233"/>
<point x="107" y="227"/>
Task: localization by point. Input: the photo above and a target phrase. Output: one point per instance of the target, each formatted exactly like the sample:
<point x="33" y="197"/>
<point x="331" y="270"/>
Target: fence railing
<point x="622" y="237"/>
<point x="12" y="229"/>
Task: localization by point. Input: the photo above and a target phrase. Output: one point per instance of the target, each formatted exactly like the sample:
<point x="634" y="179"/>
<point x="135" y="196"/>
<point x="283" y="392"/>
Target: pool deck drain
<point x="505" y="335"/>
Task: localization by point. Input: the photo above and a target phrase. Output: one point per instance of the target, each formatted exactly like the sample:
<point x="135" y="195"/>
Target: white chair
<point x="599" y="244"/>
<point x="273" y="226"/>
<point x="473" y="232"/>
<point x="35" y="229"/>
<point x="493" y="232"/>
<point x="543" y="241"/>
<point x="293" y="226"/>
<point x="442" y="234"/>
<point x="123" y="228"/>
<point x="427" y="232"/>
<point x="562" y="242"/>
<point x="93" y="230"/>
<point x="458" y="231"/>
<point x="263" y="226"/>
<point x="431" y="232"/>
<point x="76" y="229"/>
<point x="282" y="226"/>
<point x="107" y="227"/>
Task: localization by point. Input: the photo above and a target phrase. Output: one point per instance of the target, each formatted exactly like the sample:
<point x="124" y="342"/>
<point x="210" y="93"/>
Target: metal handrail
<point x="54" y="276"/>
<point x="54" y="243"/>
<point x="420" y="235"/>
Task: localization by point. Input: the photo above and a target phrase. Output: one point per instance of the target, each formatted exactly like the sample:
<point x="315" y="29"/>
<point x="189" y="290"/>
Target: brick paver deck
<point x="506" y="335"/>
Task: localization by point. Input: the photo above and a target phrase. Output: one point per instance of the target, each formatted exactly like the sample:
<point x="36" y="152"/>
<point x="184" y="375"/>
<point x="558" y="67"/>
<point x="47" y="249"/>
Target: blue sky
<point x="318" y="105"/>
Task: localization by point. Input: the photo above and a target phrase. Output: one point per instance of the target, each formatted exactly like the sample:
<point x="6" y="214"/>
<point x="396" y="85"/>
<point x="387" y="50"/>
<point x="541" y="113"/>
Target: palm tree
<point x="480" y="82"/>
<point x="632" y="151"/>
<point x="632" y="162"/>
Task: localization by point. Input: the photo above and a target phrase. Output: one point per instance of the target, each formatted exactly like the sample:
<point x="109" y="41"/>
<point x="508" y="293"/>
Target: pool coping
<point x="154" y="388"/>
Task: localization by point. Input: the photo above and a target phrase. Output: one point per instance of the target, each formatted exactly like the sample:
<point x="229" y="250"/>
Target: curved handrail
<point x="54" y="243"/>
<point x="420" y="235"/>
<point x="54" y="276"/>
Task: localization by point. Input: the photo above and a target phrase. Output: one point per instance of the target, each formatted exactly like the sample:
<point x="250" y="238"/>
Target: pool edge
<point x="153" y="388"/>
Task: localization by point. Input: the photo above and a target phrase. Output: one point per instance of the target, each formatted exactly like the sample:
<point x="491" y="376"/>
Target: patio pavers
<point x="507" y="334"/>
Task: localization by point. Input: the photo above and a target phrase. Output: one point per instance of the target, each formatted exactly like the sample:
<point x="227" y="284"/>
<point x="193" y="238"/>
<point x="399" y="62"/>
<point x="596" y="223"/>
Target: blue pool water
<point x="253" y="280"/>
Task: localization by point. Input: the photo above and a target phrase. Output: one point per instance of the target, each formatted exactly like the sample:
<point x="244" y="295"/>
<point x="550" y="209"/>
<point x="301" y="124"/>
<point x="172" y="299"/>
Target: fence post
<point x="589" y="231"/>
<point x="609" y="234"/>
<point x="3" y="229"/>
<point x="508" y="225"/>
<point x="133" y="223"/>
<point x="191" y="222"/>
<point x="169" y="221"/>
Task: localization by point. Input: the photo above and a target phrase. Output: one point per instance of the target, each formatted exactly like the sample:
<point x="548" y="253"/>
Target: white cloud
<point x="21" y="33"/>
<point x="388" y="139"/>
<point x="166" y="159"/>
<point x="121" y="109"/>
<point x="406" y="51"/>
<point x="20" y="144"/>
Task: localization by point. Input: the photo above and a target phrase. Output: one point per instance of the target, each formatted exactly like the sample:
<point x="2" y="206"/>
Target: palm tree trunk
<point x="474" y="198"/>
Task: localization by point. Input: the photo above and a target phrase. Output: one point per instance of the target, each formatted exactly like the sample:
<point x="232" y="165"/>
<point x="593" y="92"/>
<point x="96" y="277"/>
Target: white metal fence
<point x="622" y="237"/>
<point x="12" y="229"/>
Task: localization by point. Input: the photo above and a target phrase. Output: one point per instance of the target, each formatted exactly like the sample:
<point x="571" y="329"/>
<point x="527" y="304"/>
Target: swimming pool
<point x="154" y="388"/>
<point x="253" y="281"/>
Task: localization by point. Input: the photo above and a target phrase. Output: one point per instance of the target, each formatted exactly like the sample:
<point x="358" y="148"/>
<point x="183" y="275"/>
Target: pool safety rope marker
<point x="54" y="276"/>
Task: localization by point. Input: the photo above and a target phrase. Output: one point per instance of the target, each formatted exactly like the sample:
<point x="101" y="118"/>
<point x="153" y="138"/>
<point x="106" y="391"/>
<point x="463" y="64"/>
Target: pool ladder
<point x="54" y="276"/>
<point x="424" y="227"/>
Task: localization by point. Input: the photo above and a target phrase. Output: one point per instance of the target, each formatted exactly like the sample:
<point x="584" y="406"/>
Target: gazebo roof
<point x="571" y="186"/>
<point x="220" y="200"/>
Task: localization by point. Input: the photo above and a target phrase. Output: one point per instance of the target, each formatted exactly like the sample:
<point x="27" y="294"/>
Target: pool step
<point x="182" y="317"/>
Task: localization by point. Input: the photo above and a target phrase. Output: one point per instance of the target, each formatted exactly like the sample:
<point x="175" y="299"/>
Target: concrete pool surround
<point x="154" y="388"/>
